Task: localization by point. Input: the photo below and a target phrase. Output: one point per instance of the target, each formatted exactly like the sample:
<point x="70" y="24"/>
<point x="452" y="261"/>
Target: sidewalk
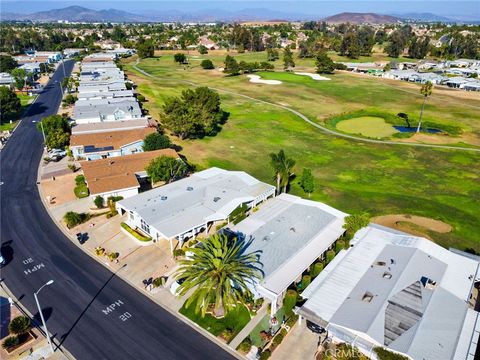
<point x="250" y="326"/>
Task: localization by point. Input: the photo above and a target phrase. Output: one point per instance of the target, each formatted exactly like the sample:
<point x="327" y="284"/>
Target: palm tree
<point x="20" y="325"/>
<point x="283" y="169"/>
<point x="219" y="271"/>
<point x="426" y="91"/>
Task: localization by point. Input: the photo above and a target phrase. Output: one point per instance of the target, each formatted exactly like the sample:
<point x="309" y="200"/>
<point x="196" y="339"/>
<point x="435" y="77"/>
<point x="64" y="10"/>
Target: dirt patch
<point x="59" y="190"/>
<point x="415" y="225"/>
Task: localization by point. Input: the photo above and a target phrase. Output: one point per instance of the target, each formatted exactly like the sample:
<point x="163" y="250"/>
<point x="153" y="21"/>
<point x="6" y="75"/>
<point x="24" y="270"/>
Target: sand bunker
<point x="258" y="80"/>
<point x="395" y="221"/>
<point x="313" y="76"/>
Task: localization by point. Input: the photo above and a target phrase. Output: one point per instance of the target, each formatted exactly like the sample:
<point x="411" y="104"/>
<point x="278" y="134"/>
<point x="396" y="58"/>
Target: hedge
<point x="384" y="354"/>
<point x="135" y="233"/>
<point x="316" y="269"/>
<point x="290" y="301"/>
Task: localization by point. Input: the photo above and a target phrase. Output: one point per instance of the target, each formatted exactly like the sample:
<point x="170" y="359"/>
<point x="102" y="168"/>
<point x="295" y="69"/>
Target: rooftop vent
<point x="387" y="275"/>
<point x="163" y="197"/>
<point x="292" y="229"/>
<point x="367" y="297"/>
<point x="216" y="198"/>
<point x="266" y="238"/>
<point x="380" y="263"/>
<point x="189" y="188"/>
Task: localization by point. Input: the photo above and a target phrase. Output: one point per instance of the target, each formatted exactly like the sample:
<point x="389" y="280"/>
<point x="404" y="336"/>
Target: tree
<point x="69" y="99"/>
<point x="307" y="181"/>
<point x="145" y="49"/>
<point x="266" y="66"/>
<point x="57" y="139"/>
<point x="404" y="117"/>
<point x="426" y="91"/>
<point x="207" y="64"/>
<point x="99" y="201"/>
<point x="283" y="169"/>
<point x="72" y="219"/>
<point x="54" y="122"/>
<point x="7" y="63"/>
<point x="272" y="54"/>
<point x="196" y="113"/>
<point x="20" y="77"/>
<point x="19" y="326"/>
<point x="156" y="141"/>
<point x="395" y="45"/>
<point x="180" y="58"/>
<point x="350" y="45"/>
<point x="231" y="66"/>
<point x="355" y="222"/>
<point x="202" y="49"/>
<point x="220" y="272"/>
<point x="165" y="168"/>
<point x="288" y="59"/>
<point x="324" y="64"/>
<point x="9" y="103"/>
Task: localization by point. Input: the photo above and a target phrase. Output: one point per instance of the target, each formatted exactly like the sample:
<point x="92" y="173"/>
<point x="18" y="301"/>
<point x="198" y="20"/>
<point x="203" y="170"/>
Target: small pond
<point x="414" y="129"/>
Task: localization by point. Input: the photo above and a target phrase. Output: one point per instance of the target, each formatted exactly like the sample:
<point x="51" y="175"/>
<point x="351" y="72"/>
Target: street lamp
<point x="49" y="282"/>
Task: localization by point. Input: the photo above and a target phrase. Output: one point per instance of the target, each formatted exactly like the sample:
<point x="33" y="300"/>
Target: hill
<point x="361" y="18"/>
<point x="77" y="14"/>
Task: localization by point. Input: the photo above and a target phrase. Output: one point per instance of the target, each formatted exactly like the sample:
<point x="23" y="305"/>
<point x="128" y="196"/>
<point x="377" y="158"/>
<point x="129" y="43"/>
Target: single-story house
<point x="187" y="207"/>
<point x="106" y="95"/>
<point x="458" y="82"/>
<point x="113" y="111"/>
<point x="101" y="88"/>
<point x="52" y="56"/>
<point x="122" y="51"/>
<point x="209" y="44"/>
<point x="426" y="77"/>
<point x="366" y="67"/>
<point x="102" y="145"/>
<point x="111" y="126"/>
<point x="6" y="79"/>
<point x="397" y="291"/>
<point x="472" y="86"/>
<point x="72" y="52"/>
<point x="31" y="68"/>
<point x="120" y="176"/>
<point x="399" y="74"/>
<point x="289" y="234"/>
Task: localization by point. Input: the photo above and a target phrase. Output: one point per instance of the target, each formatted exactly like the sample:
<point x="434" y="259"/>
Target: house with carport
<point x="288" y="234"/>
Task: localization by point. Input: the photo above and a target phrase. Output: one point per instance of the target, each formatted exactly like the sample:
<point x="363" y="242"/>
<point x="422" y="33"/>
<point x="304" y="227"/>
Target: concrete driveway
<point x="300" y="343"/>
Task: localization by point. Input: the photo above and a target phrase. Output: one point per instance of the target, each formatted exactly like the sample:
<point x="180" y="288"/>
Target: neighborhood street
<point x="89" y="310"/>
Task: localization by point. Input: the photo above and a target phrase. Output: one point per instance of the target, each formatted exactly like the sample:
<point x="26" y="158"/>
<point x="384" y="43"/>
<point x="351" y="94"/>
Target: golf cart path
<point x="305" y="118"/>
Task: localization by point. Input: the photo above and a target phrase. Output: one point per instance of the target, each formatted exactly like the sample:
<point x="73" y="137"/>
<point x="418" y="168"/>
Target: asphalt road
<point x="89" y="310"/>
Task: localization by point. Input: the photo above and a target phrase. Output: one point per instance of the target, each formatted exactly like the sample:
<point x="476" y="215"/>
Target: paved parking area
<point x="59" y="190"/>
<point x="300" y="343"/>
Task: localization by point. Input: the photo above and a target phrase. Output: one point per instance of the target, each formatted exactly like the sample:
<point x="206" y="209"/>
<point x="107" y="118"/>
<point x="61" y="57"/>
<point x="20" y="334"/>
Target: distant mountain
<point x="77" y="14"/>
<point x="429" y="17"/>
<point x="361" y="18"/>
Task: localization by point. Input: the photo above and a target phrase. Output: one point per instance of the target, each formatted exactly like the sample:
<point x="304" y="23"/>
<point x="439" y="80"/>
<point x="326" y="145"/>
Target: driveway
<point x="300" y="343"/>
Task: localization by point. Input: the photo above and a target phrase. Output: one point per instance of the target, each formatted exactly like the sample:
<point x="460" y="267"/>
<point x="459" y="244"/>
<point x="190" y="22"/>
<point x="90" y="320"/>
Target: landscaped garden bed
<point x="226" y="327"/>
<point x="136" y="234"/>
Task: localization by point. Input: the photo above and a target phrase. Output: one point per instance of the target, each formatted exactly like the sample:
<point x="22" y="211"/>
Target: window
<point x="145" y="227"/>
<point x="131" y="216"/>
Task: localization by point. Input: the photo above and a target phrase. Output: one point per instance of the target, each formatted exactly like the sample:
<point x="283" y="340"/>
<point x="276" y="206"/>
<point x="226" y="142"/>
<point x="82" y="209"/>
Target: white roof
<point x="336" y="295"/>
<point x="186" y="204"/>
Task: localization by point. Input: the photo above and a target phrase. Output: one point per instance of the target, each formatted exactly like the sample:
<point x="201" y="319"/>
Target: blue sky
<point x="319" y="7"/>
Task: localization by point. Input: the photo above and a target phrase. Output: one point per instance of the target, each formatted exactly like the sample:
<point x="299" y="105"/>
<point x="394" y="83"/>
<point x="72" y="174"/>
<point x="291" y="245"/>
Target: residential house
<point x="6" y="80"/>
<point x="52" y="56"/>
<point x="105" y="95"/>
<point x="399" y="74"/>
<point x="209" y="44"/>
<point x="120" y="176"/>
<point x="184" y="208"/>
<point x="400" y="292"/>
<point x="289" y="234"/>
<point x="124" y="109"/>
<point x="102" y="145"/>
<point x="100" y="127"/>
<point x="427" y="77"/>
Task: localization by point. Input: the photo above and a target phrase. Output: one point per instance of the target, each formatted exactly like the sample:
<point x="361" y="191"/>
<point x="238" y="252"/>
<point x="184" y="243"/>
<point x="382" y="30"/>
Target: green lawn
<point x="369" y="126"/>
<point x="264" y="325"/>
<point x="25" y="100"/>
<point x="350" y="175"/>
<point x="234" y="320"/>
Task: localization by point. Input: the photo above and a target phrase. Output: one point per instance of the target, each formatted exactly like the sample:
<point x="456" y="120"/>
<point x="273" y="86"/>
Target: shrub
<point x="291" y="320"/>
<point x="20" y="325"/>
<point x="115" y="198"/>
<point x="72" y="167"/>
<point x="207" y="64"/>
<point x="99" y="251"/>
<point x="159" y="281"/>
<point x="245" y="345"/>
<point x="265" y="355"/>
<point x="178" y="252"/>
<point x="330" y="255"/>
<point x="112" y="256"/>
<point x="99" y="201"/>
<point x="290" y="301"/>
<point x="79" y="180"/>
<point x="384" y="354"/>
<point x="306" y="280"/>
<point x="112" y="214"/>
<point x="316" y="269"/>
<point x="156" y="141"/>
<point x="10" y="341"/>
<point x="140" y="98"/>
<point x="277" y="340"/>
<point x="72" y="219"/>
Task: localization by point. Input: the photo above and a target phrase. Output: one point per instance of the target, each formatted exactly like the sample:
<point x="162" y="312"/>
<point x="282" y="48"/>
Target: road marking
<point x="125" y="316"/>
<point x="112" y="307"/>
<point x="31" y="269"/>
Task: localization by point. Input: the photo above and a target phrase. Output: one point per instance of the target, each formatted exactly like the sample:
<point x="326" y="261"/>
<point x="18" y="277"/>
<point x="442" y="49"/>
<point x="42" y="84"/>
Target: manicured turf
<point x="369" y="126"/>
<point x="349" y="175"/>
<point x="235" y="320"/>
<point x="264" y="325"/>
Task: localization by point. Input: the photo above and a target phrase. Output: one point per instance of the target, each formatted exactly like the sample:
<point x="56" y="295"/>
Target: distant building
<point x="6" y="80"/>
<point x="400" y="292"/>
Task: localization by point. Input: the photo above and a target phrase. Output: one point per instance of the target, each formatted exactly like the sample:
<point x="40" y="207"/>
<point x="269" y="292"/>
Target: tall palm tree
<point x="426" y="91"/>
<point x="219" y="271"/>
<point x="282" y="165"/>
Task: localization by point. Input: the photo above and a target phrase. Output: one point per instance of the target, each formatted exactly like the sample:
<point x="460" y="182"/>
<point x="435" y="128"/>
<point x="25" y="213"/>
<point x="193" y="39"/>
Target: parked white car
<point x="175" y="285"/>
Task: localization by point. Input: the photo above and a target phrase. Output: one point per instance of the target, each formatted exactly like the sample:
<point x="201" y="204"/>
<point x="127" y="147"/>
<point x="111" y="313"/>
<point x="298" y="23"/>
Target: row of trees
<point x="232" y="67"/>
